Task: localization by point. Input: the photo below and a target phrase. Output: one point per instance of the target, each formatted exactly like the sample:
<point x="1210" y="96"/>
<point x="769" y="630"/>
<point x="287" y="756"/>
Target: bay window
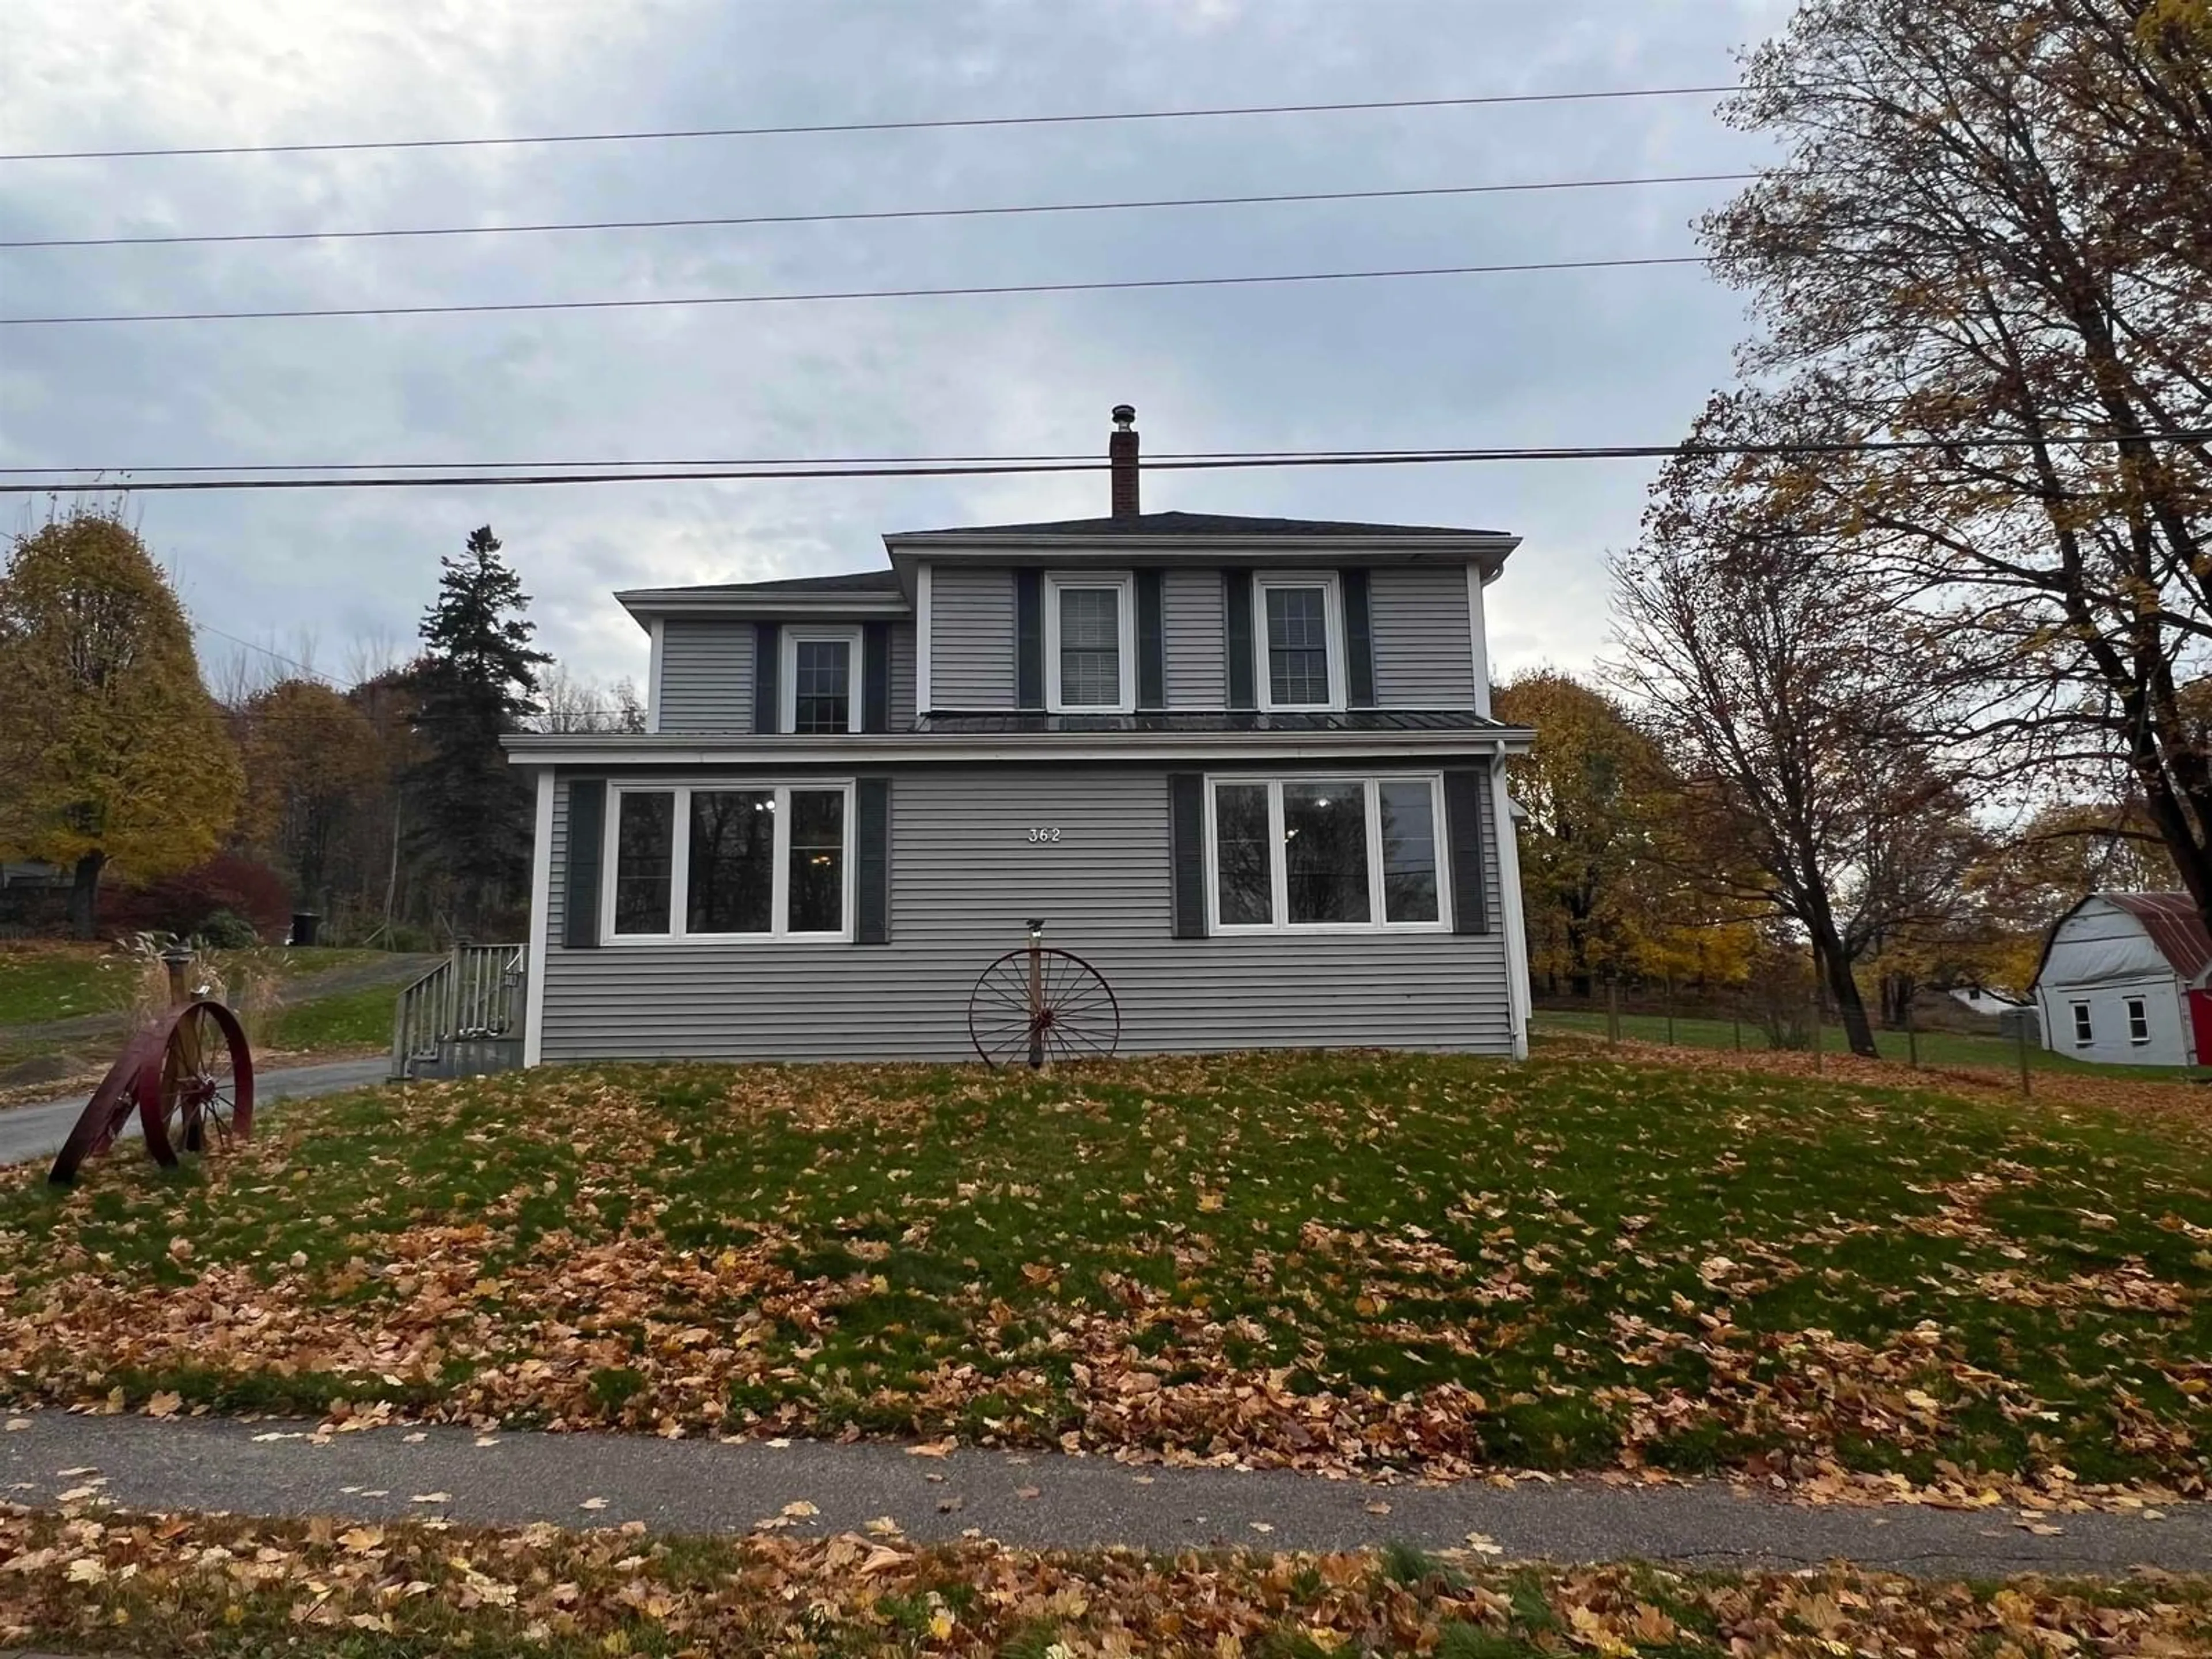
<point x="1324" y="854"/>
<point x="1090" y="644"/>
<point x="731" y="862"/>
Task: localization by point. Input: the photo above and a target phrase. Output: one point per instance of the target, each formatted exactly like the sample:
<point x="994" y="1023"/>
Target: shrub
<point x="185" y="904"/>
<point x="226" y="930"/>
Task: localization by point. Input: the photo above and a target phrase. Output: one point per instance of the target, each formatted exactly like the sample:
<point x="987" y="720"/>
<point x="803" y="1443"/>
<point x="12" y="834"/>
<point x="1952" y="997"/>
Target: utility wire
<point x="206" y="239"/>
<point x="1405" y="457"/>
<point x="1000" y="288"/>
<point x="938" y="124"/>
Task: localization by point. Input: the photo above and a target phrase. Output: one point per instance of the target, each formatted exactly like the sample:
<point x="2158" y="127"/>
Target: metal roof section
<point x="1339" y="744"/>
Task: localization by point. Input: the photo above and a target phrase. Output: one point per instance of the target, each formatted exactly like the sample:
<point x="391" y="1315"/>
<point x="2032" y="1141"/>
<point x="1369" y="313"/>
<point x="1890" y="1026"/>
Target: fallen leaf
<point x="800" y="1509"/>
<point x="432" y="1497"/>
<point x="592" y="1504"/>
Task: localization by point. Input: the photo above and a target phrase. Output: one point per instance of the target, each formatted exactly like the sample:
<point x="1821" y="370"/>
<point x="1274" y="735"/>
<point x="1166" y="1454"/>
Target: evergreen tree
<point x="476" y="681"/>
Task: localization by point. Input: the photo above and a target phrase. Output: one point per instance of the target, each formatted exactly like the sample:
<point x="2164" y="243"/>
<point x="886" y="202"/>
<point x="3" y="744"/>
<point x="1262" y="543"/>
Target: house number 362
<point x="1042" y="837"/>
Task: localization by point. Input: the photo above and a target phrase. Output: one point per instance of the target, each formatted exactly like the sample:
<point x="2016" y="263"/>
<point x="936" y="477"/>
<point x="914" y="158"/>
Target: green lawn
<point x="351" y="1019"/>
<point x="1353" y="1260"/>
<point x="45" y="981"/>
<point x="1934" y="1047"/>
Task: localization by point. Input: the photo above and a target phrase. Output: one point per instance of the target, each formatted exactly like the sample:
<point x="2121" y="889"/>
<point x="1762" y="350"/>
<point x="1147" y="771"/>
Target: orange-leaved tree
<point x="112" y="751"/>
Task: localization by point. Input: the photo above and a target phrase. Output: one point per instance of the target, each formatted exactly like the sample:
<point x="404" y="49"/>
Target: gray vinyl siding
<point x="971" y="625"/>
<point x="902" y="654"/>
<point x="964" y="879"/>
<point x="1423" y="636"/>
<point x="706" y="675"/>
<point x="1195" y="635"/>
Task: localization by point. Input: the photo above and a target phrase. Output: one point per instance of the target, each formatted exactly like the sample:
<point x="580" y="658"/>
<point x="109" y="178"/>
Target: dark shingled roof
<point x="1195" y="523"/>
<point x="1356" y="720"/>
<point x="858" y="581"/>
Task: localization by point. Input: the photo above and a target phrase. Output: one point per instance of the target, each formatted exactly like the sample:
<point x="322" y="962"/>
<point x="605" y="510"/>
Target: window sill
<point x="1324" y="929"/>
<point x="621" y="941"/>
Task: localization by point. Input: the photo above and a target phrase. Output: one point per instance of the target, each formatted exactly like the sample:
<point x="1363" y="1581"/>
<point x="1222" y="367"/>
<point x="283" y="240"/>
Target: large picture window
<point x="1302" y="631"/>
<point x="1090" y="644"/>
<point x="1325" y="853"/>
<point x="756" y="861"/>
<point x="821" y="680"/>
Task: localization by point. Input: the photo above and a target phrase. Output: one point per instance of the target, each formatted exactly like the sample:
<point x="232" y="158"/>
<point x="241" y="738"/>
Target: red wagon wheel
<point x="1040" y="1006"/>
<point x="109" y="1108"/>
<point x="198" y="1087"/>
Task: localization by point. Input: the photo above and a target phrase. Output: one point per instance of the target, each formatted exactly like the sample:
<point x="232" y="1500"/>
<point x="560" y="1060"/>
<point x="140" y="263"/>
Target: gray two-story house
<point x="1244" y="768"/>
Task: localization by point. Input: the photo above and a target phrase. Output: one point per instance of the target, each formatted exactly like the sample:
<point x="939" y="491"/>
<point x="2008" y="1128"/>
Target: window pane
<point x="1298" y="646"/>
<point x="1090" y="647"/>
<point x="1240" y="876"/>
<point x="644" y="843"/>
<point x="1409" y="853"/>
<point x="732" y="874"/>
<point x="823" y="686"/>
<point x="817" y="860"/>
<point x="1325" y="851"/>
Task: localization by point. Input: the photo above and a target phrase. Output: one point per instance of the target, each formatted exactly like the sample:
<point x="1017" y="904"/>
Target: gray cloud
<point x="1598" y="357"/>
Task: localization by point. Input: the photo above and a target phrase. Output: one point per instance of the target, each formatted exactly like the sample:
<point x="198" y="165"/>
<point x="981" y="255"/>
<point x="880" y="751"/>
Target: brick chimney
<point x="1121" y="452"/>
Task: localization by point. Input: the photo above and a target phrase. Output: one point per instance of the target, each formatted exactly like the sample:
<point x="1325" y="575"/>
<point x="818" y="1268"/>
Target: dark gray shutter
<point x="1465" y="791"/>
<point x="1028" y="639"/>
<point x="1151" y="641"/>
<point x="587" y="814"/>
<point x="1236" y="587"/>
<point x="1186" y="844"/>
<point x="1359" y="640"/>
<point x="876" y="677"/>
<point x="871" y="864"/>
<point x="768" y="656"/>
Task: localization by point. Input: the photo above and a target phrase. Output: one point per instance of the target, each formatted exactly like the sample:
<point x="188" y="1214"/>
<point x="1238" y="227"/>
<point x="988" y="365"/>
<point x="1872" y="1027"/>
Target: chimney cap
<point x="1125" y="415"/>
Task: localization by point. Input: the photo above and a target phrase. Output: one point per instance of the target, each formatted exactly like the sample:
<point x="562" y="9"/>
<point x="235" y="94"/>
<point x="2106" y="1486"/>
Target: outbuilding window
<point x="749" y="861"/>
<point x="2084" y="1033"/>
<point x="1325" y="854"/>
<point x="2138" y="1020"/>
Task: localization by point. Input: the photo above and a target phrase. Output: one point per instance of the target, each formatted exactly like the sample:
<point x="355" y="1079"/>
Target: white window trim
<point x="2085" y="1031"/>
<point x="2137" y="1010"/>
<point x="1333" y="609"/>
<point x="1124" y="583"/>
<point x="787" y="675"/>
<point x="1279" y="866"/>
<point x="679" y="864"/>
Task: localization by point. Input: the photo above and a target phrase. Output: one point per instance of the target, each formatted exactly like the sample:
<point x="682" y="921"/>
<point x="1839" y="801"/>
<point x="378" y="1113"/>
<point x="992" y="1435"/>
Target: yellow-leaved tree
<point x="113" y="755"/>
<point x="1604" y="849"/>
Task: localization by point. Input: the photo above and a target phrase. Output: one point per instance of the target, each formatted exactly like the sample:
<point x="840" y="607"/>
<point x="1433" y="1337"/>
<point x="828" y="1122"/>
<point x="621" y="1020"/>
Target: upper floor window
<point x="749" y="861"/>
<point x="1302" y="623"/>
<point x="1090" y="644"/>
<point x="821" y="676"/>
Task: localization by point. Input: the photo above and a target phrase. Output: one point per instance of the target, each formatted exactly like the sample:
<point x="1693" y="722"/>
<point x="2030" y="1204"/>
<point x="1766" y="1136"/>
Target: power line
<point x="936" y="124"/>
<point x="278" y="656"/>
<point x="229" y="237"/>
<point x="1275" y="458"/>
<point x="976" y="291"/>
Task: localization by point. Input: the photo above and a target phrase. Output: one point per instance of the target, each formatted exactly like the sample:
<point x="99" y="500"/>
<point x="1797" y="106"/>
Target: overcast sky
<point x="1602" y="356"/>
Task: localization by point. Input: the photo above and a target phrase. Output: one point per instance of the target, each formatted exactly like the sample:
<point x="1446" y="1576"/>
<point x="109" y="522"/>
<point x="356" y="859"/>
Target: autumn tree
<point x="1601" y="849"/>
<point x="1990" y="242"/>
<point x="1768" y="665"/>
<point x="476" y="682"/>
<point x="113" y="753"/>
<point x="568" y="703"/>
<point x="314" y="764"/>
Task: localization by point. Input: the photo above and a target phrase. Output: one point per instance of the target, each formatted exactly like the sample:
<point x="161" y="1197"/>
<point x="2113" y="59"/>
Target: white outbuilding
<point x="2123" y="981"/>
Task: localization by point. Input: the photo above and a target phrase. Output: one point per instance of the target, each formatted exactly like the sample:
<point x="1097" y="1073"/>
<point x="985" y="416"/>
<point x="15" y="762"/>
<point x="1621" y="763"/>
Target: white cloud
<point x="1598" y="357"/>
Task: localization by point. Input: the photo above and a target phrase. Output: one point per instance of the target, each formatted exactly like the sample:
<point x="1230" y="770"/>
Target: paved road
<point x="37" y="1132"/>
<point x="277" y="1469"/>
